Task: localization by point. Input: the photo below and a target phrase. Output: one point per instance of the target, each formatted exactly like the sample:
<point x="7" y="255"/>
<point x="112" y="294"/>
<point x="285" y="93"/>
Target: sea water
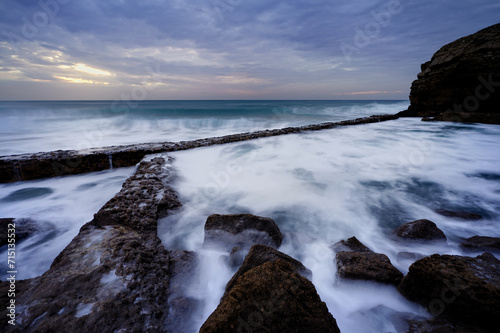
<point x="322" y="187"/>
<point x="319" y="187"/>
<point x="30" y="127"/>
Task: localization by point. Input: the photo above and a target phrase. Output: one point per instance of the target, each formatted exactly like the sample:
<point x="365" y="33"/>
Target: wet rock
<point x="440" y="325"/>
<point x="241" y="230"/>
<point x="236" y="257"/>
<point x="260" y="254"/>
<point x="459" y="215"/>
<point x="463" y="289"/>
<point x="482" y="243"/>
<point x="351" y="244"/>
<point x="367" y="266"/>
<point x="114" y="276"/>
<point x="23" y="228"/>
<point x="420" y="230"/>
<point x="143" y="199"/>
<point x="460" y="82"/>
<point x="271" y="297"/>
<point x="71" y="162"/>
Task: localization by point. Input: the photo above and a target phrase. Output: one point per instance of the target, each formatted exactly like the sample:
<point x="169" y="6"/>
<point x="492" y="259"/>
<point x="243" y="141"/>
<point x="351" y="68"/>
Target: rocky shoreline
<point x="116" y="275"/>
<point x="71" y="162"/>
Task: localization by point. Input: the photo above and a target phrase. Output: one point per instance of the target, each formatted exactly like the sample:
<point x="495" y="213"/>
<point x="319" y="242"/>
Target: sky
<point x="225" y="49"/>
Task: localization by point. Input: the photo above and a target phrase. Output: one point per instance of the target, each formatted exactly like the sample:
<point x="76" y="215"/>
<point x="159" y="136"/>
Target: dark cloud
<point x="204" y="48"/>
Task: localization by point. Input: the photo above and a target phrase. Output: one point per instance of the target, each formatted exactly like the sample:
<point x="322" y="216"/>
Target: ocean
<point x="30" y="127"/>
<point x="319" y="187"/>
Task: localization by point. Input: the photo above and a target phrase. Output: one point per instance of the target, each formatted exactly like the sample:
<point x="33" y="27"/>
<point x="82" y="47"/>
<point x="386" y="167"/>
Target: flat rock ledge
<point x="270" y="297"/>
<point x="115" y="274"/>
<point x="71" y="162"/>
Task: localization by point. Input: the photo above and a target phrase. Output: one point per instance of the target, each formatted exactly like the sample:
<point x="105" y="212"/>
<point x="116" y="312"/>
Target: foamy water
<point x="59" y="207"/>
<point x="326" y="186"/>
<point x="320" y="187"/>
<point x="30" y="127"/>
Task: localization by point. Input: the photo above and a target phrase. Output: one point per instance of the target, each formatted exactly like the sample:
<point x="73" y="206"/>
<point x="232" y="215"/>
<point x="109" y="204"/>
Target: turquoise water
<point x="29" y="127"/>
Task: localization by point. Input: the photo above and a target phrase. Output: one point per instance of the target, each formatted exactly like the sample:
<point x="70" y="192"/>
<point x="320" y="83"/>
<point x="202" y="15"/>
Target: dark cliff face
<point x="461" y="82"/>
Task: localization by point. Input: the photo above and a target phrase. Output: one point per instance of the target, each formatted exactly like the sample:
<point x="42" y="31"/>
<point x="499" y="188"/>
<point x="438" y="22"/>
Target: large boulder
<point x="367" y="266"/>
<point x="241" y="230"/>
<point x="481" y="243"/>
<point x="463" y="289"/>
<point x="259" y="255"/>
<point x="351" y="244"/>
<point x="461" y="82"/>
<point x="420" y="230"/>
<point x="272" y="297"/>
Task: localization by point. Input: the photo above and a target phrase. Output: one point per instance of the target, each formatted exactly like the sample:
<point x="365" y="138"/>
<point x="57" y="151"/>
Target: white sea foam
<point x="59" y="206"/>
<point x="362" y="181"/>
<point x="31" y="128"/>
<point x="83" y="309"/>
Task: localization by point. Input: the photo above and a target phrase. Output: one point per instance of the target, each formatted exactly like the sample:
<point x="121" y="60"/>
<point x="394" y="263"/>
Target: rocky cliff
<point x="461" y="82"/>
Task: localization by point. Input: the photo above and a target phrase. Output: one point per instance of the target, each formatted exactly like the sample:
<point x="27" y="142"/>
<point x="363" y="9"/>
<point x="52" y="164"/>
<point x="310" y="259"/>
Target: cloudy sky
<point x="225" y="49"/>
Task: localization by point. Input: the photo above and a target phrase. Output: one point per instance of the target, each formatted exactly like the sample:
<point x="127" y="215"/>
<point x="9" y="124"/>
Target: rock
<point x="461" y="82"/>
<point x="241" y="230"/>
<point x="439" y="325"/>
<point x="24" y="228"/>
<point x="420" y="230"/>
<point x="271" y="297"/>
<point x="260" y="254"/>
<point x="482" y="243"/>
<point x="463" y="289"/>
<point x="184" y="268"/>
<point x="367" y="266"/>
<point x="71" y="162"/>
<point x="114" y="276"/>
<point x="142" y="200"/>
<point x="351" y="244"/>
<point x="459" y="215"/>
